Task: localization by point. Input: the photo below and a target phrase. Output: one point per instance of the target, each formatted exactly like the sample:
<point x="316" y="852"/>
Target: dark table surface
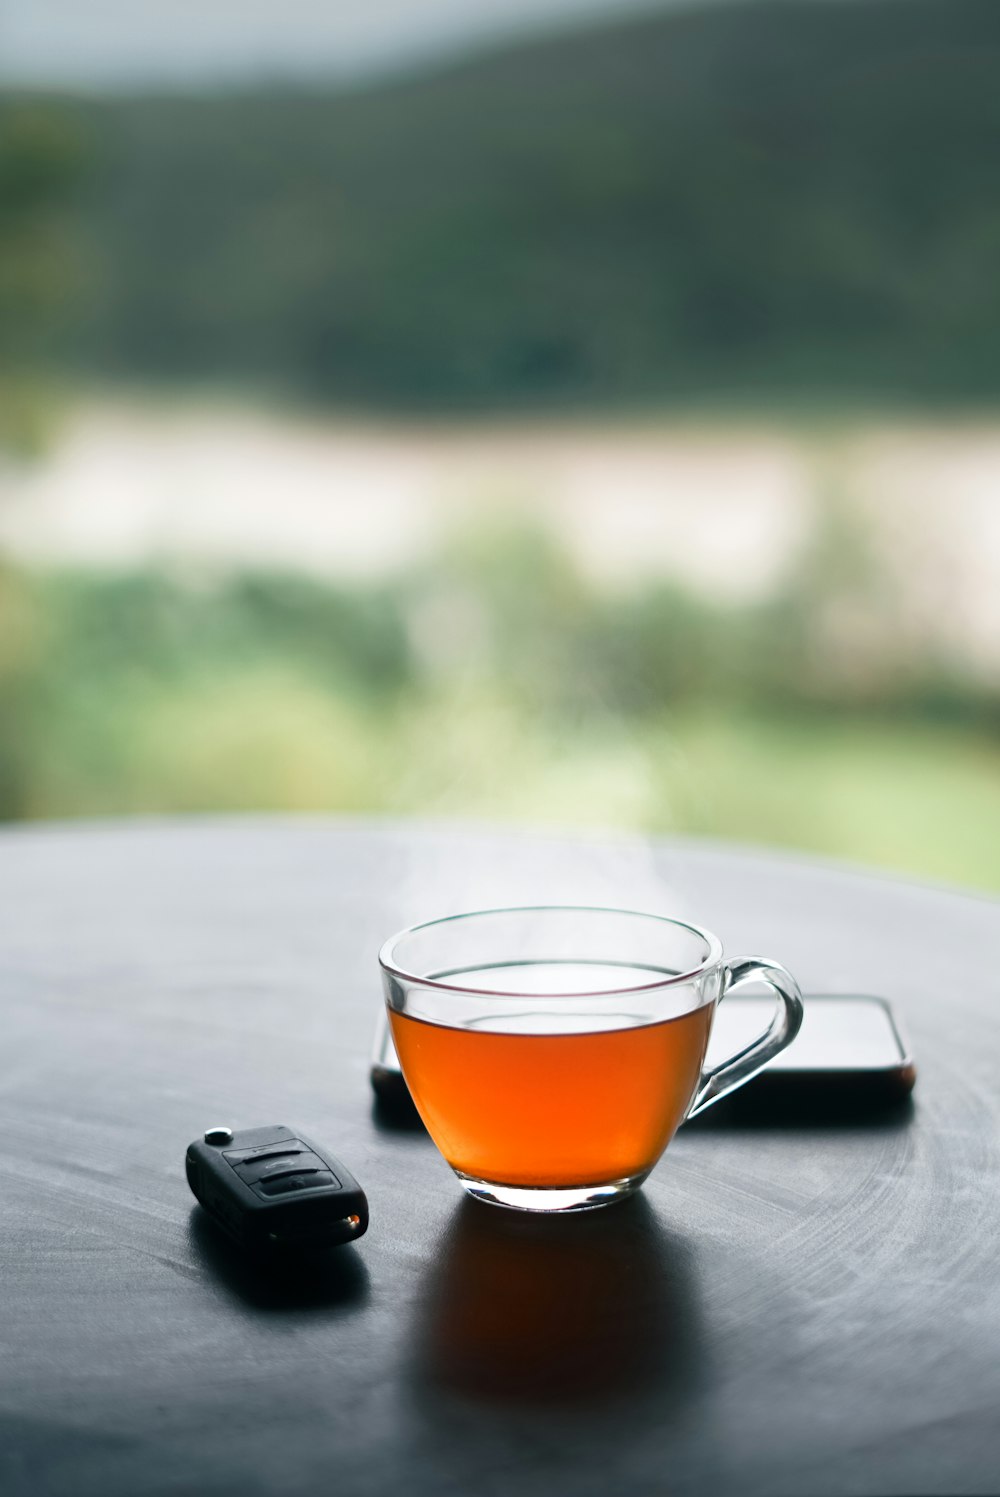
<point x="786" y="1308"/>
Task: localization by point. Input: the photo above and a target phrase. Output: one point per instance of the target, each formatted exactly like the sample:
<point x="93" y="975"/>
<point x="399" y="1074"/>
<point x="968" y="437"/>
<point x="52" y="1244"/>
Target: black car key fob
<point x="271" y="1189"/>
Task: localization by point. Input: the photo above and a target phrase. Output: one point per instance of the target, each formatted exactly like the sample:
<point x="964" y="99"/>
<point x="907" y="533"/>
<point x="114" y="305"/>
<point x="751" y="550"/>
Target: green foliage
<point x="746" y="202"/>
<point x="25" y="645"/>
<point x="493" y="680"/>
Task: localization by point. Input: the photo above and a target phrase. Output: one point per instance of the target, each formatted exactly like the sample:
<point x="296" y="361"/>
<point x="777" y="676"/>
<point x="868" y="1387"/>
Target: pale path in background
<point x="725" y="509"/>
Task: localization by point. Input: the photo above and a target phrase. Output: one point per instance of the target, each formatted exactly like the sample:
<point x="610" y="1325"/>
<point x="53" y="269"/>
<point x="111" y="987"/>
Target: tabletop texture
<point x="796" y="1306"/>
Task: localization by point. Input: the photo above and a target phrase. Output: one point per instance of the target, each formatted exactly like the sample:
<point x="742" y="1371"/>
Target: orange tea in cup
<point x="553" y="1110"/>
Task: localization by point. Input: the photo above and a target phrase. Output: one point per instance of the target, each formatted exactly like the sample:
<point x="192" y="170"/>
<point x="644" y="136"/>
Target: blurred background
<point x="572" y="411"/>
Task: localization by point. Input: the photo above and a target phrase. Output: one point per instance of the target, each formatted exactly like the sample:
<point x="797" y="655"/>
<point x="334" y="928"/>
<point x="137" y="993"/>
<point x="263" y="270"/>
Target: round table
<point x="789" y="1307"/>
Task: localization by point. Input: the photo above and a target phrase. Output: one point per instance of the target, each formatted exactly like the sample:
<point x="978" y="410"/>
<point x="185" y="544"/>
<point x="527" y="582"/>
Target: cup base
<point x="533" y="1198"/>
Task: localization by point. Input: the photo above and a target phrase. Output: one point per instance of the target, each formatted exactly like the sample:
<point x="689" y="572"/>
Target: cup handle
<point x="785" y="1026"/>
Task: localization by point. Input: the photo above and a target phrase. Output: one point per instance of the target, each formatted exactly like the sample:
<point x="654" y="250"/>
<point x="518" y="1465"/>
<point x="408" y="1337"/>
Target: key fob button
<point x="252" y="1170"/>
<point x="265" y="1151"/>
<point x="288" y="1184"/>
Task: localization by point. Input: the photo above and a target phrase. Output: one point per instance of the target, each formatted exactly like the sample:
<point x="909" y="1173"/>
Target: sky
<point x="124" y="43"/>
<point x="118" y="42"/>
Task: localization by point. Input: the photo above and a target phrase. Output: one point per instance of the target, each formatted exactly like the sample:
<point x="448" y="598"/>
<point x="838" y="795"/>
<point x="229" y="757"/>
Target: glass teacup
<point x="553" y="1051"/>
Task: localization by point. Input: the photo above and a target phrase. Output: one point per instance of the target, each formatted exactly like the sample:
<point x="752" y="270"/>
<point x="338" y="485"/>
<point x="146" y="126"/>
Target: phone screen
<point x="837" y="1034"/>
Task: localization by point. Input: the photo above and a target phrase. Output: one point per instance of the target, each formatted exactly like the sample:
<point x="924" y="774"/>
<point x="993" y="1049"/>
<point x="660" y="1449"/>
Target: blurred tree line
<point x="750" y="202"/>
<point x="42" y="156"/>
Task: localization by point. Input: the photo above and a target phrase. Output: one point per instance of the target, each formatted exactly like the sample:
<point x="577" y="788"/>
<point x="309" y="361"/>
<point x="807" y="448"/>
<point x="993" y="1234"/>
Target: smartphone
<point x="848" y="1059"/>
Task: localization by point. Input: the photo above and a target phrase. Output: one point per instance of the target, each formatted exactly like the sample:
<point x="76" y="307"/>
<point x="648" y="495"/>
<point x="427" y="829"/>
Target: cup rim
<point x="393" y="969"/>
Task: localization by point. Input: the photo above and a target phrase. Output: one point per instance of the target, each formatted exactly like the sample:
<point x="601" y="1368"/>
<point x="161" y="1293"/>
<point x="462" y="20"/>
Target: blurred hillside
<point x="755" y="202"/>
